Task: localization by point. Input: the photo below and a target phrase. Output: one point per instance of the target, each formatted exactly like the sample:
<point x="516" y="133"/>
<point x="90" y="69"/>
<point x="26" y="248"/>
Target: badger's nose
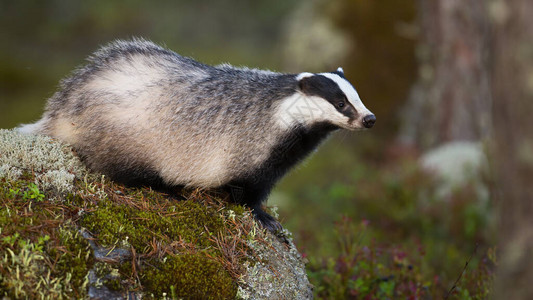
<point x="369" y="120"/>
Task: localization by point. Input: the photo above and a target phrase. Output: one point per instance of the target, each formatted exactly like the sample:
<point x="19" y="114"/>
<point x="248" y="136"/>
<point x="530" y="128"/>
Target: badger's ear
<point x="339" y="72"/>
<point x="305" y="81"/>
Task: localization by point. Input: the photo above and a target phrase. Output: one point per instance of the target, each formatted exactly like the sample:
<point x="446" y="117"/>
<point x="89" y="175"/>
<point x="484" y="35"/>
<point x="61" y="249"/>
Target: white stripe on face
<point x="349" y="91"/>
<point x="306" y="110"/>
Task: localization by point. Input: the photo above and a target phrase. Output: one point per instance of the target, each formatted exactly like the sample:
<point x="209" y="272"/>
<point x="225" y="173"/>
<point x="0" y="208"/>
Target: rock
<point x="69" y="233"/>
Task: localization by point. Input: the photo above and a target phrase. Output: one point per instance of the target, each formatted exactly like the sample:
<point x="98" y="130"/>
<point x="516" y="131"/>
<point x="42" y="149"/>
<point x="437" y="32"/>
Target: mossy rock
<point x="68" y="233"/>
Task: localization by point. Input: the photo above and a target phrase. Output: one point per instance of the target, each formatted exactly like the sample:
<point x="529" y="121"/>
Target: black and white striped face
<point x="326" y="97"/>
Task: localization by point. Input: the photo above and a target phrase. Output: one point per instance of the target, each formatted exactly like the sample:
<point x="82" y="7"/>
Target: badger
<point x="146" y="116"/>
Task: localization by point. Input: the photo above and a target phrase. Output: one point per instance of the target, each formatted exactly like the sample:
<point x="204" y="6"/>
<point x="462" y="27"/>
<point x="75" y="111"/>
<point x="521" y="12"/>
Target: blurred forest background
<point x="393" y="212"/>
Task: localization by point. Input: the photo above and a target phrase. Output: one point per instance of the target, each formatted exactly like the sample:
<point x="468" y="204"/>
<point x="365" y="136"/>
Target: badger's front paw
<point x="266" y="220"/>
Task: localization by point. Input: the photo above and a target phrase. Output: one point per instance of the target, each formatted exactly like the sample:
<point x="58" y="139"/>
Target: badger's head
<point x="325" y="98"/>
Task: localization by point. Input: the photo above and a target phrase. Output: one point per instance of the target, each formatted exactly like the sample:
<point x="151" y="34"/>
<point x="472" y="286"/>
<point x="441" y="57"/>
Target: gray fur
<point x="137" y="110"/>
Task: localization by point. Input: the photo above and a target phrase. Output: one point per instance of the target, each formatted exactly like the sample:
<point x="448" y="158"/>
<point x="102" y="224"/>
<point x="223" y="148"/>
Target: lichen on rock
<point x="53" y="164"/>
<point x="69" y="233"/>
<point x="279" y="273"/>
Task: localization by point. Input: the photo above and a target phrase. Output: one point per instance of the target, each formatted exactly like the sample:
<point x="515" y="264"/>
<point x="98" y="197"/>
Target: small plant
<point x="10" y="239"/>
<point x="366" y="270"/>
<point x="33" y="193"/>
<point x="13" y="192"/>
<point x="41" y="241"/>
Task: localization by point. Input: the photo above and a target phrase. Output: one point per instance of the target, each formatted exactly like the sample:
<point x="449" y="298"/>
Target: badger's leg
<point x="266" y="220"/>
<point x="253" y="195"/>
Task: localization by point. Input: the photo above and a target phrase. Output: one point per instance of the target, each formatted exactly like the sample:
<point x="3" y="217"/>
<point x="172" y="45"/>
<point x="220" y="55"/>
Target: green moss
<point x="43" y="255"/>
<point x="77" y="258"/>
<point x="114" y="284"/>
<point x="193" y="276"/>
<point x="179" y="245"/>
<point x="113" y="223"/>
<point x="238" y="209"/>
<point x="108" y="275"/>
<point x="178" y="240"/>
<point x="193" y="248"/>
<point x="25" y="270"/>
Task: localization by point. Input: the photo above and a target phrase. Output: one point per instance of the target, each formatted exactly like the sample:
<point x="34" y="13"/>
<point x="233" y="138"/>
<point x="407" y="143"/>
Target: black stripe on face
<point x="323" y="87"/>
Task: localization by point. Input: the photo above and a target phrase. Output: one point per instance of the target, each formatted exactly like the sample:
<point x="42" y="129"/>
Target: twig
<point x="462" y="272"/>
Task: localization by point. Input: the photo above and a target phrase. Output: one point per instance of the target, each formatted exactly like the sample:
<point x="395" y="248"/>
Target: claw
<point x="267" y="221"/>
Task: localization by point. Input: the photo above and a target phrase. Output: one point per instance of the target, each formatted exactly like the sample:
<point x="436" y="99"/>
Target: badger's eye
<point x="340" y="105"/>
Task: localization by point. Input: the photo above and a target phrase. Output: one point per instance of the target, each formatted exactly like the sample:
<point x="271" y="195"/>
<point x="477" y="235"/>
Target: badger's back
<point x="143" y="114"/>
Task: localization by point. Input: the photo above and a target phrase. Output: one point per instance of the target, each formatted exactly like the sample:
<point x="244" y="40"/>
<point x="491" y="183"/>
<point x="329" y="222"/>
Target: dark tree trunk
<point x="451" y="100"/>
<point x="512" y="86"/>
<point x="476" y="83"/>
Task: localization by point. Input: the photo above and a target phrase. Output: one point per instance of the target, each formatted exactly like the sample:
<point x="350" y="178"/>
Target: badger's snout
<point x="369" y="121"/>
